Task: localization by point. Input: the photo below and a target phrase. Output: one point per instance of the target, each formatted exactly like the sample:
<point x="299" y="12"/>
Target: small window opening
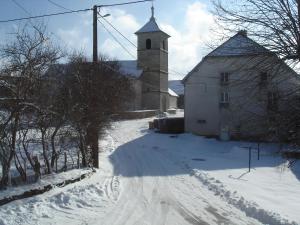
<point x="264" y="77"/>
<point x="148" y="44"/>
<point x="224" y="97"/>
<point x="224" y="78"/>
<point x="201" y="121"/>
<point x="164" y="45"/>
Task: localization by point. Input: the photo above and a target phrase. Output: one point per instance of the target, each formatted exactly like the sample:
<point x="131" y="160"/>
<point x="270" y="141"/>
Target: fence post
<point x="65" y="166"/>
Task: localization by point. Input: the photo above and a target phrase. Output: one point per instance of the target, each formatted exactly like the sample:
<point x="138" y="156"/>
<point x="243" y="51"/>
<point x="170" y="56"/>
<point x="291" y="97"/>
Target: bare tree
<point x="274" y="23"/>
<point x="96" y="91"/>
<point x="25" y="61"/>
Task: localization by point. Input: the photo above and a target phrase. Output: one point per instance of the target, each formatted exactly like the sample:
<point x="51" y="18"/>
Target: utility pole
<point x="95" y="35"/>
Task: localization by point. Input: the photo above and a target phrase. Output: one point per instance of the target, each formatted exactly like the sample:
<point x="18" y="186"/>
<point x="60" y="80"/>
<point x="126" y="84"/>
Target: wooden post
<point x="95" y="35"/>
<point x="65" y="166"/>
<point x="56" y="168"/>
<point x="78" y="160"/>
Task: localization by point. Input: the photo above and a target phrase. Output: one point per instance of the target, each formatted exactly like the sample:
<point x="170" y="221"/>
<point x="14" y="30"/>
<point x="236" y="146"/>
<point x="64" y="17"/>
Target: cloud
<point x="127" y="24"/>
<point x="188" y="46"/>
<point x="79" y="37"/>
<point x="74" y="39"/>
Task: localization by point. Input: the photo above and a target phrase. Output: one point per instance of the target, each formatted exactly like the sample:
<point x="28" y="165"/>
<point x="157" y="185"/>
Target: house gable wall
<point x="205" y="115"/>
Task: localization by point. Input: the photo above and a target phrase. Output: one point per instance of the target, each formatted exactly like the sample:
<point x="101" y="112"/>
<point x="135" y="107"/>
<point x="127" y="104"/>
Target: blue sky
<point x="189" y="22"/>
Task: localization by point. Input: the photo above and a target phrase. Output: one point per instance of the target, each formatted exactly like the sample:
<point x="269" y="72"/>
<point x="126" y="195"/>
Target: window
<point x="148" y="44"/>
<point x="224" y="97"/>
<point x="264" y="77"/>
<point x="164" y="45"/>
<point x="272" y="100"/>
<point x="224" y="78"/>
<point x="201" y="121"/>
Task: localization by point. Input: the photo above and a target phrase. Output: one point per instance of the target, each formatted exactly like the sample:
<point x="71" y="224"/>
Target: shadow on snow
<point x="156" y="154"/>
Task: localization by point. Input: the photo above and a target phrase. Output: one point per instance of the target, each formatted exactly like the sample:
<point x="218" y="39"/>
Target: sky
<point x="190" y="24"/>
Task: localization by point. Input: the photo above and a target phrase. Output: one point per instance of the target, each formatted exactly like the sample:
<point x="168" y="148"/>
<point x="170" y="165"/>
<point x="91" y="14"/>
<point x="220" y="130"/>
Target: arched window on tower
<point x="148" y="44"/>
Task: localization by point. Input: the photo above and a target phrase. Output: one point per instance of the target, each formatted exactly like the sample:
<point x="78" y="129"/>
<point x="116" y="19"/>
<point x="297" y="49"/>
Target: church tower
<point x="153" y="59"/>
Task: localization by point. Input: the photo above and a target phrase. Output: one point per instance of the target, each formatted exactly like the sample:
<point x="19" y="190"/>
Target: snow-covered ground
<point x="149" y="178"/>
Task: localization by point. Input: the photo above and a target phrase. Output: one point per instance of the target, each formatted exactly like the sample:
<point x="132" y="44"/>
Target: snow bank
<point x="250" y="208"/>
<point x="152" y="178"/>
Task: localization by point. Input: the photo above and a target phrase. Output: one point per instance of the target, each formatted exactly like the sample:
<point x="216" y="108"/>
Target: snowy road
<point x="156" y="188"/>
<point x="140" y="182"/>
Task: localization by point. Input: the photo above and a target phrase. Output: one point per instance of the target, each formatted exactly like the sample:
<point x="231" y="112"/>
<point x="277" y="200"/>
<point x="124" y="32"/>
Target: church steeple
<point x="152" y="54"/>
<point x="151" y="25"/>
<point x="152" y="12"/>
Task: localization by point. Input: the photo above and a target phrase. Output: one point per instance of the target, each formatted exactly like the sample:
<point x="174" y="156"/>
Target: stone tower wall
<point x="154" y="62"/>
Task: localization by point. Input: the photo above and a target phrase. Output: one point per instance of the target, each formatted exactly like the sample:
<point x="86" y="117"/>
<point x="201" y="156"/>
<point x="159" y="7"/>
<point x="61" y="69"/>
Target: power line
<point x="124" y="3"/>
<point x="116" y="39"/>
<point x="174" y="71"/>
<point x="28" y="13"/>
<point x="45" y="15"/>
<point x="177" y="73"/>
<point x="58" y="5"/>
<point x="20" y="6"/>
<point x="69" y="11"/>
<point x="117" y="30"/>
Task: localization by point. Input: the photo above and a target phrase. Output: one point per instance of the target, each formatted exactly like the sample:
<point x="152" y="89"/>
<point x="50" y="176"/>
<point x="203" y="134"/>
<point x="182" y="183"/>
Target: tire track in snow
<point x="161" y="197"/>
<point x="169" y="162"/>
<point x="158" y="198"/>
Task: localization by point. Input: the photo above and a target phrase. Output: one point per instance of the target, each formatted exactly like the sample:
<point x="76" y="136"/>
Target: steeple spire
<point x="152" y="12"/>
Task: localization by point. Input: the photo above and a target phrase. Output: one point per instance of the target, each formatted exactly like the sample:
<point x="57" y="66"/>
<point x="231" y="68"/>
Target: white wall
<point x="203" y="114"/>
<point x="173" y="102"/>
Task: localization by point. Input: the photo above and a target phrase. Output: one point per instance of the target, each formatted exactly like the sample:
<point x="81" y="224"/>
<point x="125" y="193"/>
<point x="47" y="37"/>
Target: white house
<point x="236" y="89"/>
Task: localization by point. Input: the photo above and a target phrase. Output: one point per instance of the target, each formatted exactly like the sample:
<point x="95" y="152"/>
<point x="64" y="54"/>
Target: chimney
<point x="243" y="32"/>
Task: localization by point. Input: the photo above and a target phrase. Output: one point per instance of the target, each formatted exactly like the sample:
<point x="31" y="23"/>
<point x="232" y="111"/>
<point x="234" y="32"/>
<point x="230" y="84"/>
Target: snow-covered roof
<point x="238" y="45"/>
<point x="172" y="93"/>
<point x="129" y="68"/>
<point x="176" y="86"/>
<point x="151" y="26"/>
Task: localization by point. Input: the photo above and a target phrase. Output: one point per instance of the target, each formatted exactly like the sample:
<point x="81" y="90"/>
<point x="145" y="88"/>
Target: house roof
<point x="172" y="93"/>
<point x="239" y="45"/>
<point x="176" y="86"/>
<point x="127" y="68"/>
<point x="151" y="26"/>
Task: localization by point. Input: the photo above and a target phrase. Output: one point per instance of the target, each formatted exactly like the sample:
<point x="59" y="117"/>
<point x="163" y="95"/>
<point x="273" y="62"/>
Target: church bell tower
<point x="153" y="59"/>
